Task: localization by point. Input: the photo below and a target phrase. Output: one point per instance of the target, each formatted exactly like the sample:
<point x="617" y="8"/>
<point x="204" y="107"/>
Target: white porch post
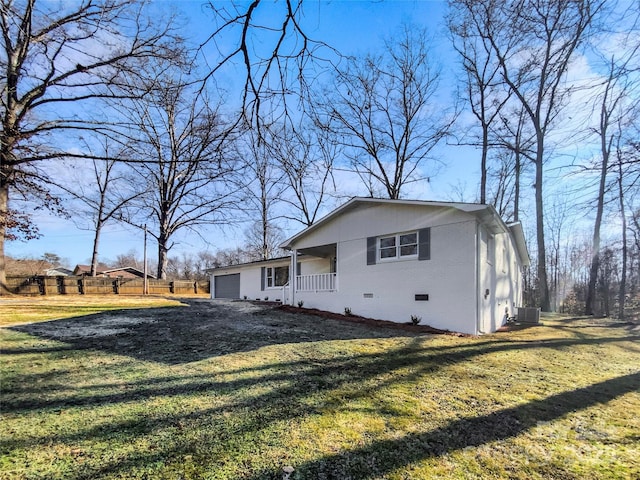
<point x="292" y="276"/>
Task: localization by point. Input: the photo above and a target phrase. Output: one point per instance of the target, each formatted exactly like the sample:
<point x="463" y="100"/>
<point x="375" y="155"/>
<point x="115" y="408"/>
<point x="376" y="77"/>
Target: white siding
<point x="501" y="275"/>
<point x="387" y="290"/>
<point x="379" y="219"/>
<point x="310" y="266"/>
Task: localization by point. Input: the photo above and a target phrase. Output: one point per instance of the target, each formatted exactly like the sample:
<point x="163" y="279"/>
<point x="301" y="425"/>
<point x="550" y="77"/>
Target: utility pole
<point x="145" y="289"/>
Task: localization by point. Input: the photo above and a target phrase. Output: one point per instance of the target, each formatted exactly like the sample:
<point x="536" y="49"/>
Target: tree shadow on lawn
<point x="201" y="330"/>
<point x="284" y="392"/>
<point x="382" y="457"/>
<point x="317" y="374"/>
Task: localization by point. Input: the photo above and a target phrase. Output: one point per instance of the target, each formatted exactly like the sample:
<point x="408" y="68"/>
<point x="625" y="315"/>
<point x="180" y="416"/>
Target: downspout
<point x="212" y="285"/>
<point x="477" y="281"/>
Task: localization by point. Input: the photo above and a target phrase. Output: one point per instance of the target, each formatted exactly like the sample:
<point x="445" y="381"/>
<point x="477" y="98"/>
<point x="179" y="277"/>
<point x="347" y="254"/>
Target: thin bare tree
<point x="263" y="186"/>
<point x="99" y="195"/>
<point x="513" y="135"/>
<point x="484" y="91"/>
<point x="306" y="156"/>
<point x="617" y="107"/>
<point x="612" y="109"/>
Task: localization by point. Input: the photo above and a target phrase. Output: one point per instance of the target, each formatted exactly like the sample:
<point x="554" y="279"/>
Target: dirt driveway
<point x="200" y="329"/>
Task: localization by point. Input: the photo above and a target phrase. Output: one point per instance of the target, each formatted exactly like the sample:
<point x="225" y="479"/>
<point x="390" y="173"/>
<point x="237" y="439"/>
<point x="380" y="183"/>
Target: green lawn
<point x="15" y="310"/>
<point x="558" y="401"/>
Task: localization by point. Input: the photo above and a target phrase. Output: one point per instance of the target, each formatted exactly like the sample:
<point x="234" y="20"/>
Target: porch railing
<point x="319" y="282"/>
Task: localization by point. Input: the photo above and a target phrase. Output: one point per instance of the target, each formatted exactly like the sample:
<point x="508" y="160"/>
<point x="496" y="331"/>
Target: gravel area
<point x="205" y="328"/>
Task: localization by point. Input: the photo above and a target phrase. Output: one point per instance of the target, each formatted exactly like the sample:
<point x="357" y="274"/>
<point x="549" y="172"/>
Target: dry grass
<point x="559" y="401"/>
<point x="40" y="308"/>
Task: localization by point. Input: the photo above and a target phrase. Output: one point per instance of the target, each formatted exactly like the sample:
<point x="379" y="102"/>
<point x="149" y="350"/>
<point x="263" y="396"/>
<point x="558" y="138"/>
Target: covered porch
<point x="318" y="271"/>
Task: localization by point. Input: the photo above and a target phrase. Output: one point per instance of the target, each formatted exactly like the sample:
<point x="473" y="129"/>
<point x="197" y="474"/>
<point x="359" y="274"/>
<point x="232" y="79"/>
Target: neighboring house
<point x="84" y="270"/>
<point x="121" y="272"/>
<point x="58" y="272"/>
<point x="458" y="266"/>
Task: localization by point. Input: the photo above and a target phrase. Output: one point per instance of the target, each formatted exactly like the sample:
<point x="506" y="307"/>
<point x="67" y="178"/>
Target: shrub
<point x="300" y="303"/>
<point x="415" y="319"/>
<point x="347" y="311"/>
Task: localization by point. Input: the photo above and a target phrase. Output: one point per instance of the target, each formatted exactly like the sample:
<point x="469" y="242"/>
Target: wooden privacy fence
<point x="41" y="285"/>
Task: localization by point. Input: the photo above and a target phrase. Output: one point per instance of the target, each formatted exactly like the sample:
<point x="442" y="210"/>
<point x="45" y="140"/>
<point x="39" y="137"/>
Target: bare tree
<point x="267" y="42"/>
<point x="618" y="106"/>
<point x="57" y="60"/>
<point x="485" y="93"/>
<point x="513" y="135"/>
<point x="558" y="220"/>
<point x="534" y="43"/>
<point x="261" y="244"/>
<point x="129" y="259"/>
<point x="611" y="104"/>
<point x="386" y="111"/>
<point x="627" y="180"/>
<point x="100" y="194"/>
<point x="177" y="140"/>
<point x="622" y="292"/>
<point x="502" y="187"/>
<point x="263" y="193"/>
<point x="306" y="157"/>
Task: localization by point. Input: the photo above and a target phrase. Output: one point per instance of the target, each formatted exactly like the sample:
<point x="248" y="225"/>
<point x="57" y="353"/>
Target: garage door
<point x="227" y="286"/>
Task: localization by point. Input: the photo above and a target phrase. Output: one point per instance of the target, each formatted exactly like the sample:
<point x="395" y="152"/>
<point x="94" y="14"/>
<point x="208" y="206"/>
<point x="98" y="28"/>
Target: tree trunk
<point x="265" y="224"/>
<point x="623" y="279"/>
<point x="483" y="164"/>
<point x="543" y="284"/>
<point x="94" y="255"/>
<point x="595" y="256"/>
<point x="163" y="259"/>
<point x="516" y="200"/>
<point x="163" y="249"/>
<point x="4" y="207"/>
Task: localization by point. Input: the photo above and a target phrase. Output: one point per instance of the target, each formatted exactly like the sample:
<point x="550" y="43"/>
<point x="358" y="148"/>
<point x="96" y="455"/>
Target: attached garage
<point x="227" y="286"/>
<point x="251" y="281"/>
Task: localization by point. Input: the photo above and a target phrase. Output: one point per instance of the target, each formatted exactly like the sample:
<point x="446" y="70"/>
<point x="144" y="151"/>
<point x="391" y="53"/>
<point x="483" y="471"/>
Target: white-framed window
<point x="276" y="276"/>
<point x="399" y="246"/>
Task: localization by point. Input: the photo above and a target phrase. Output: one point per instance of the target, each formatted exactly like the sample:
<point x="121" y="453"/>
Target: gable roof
<point x="130" y="270"/>
<point x="58" y="272"/>
<point x="486" y="215"/>
<point x="80" y="269"/>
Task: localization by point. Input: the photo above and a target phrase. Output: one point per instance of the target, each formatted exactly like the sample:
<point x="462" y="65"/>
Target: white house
<point x="458" y="266"/>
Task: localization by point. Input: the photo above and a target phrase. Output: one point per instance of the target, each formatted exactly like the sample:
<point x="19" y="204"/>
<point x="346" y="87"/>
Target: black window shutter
<point x="424" y="244"/>
<point x="262" y="270"/>
<point x="371" y="250"/>
<point x="298" y="268"/>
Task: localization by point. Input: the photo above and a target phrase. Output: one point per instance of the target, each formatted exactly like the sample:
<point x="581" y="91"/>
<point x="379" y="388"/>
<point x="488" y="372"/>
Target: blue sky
<point x="352" y="27"/>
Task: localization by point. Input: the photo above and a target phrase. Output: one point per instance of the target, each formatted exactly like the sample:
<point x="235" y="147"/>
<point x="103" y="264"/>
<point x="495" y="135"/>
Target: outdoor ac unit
<point x="529" y="314"/>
